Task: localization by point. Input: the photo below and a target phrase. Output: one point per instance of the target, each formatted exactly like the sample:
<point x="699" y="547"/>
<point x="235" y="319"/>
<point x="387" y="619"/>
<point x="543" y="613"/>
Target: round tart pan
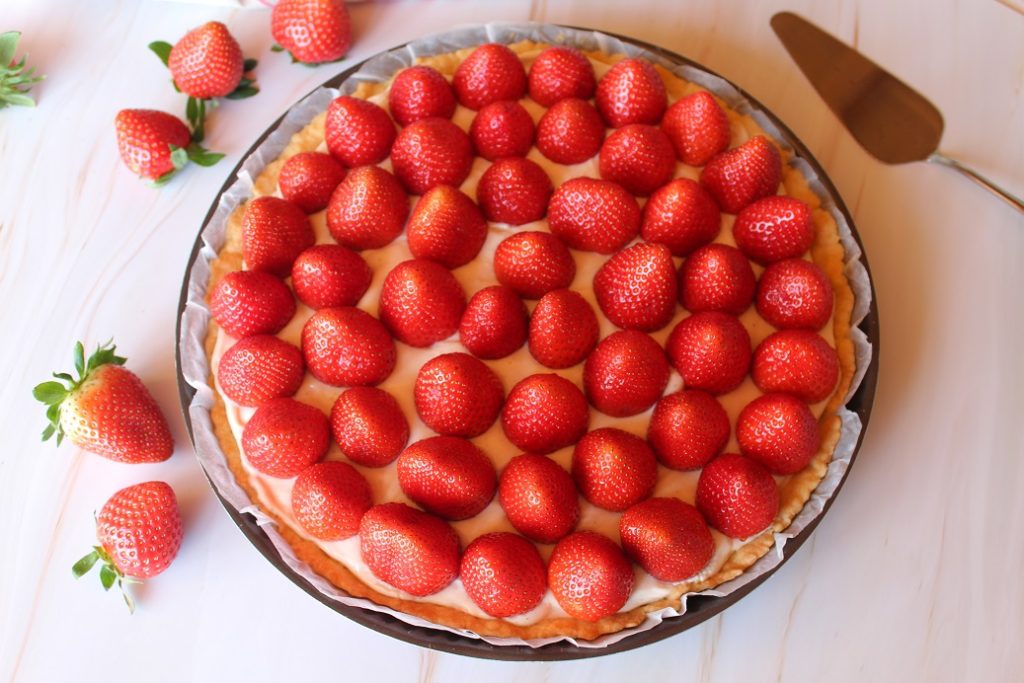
<point x="699" y="608"/>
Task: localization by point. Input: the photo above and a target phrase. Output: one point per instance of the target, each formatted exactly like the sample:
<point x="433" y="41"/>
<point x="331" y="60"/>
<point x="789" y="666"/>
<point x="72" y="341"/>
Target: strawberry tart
<point x="529" y="342"/>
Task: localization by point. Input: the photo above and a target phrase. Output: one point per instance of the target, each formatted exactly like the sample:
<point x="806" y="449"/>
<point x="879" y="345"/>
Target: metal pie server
<point x="891" y="121"/>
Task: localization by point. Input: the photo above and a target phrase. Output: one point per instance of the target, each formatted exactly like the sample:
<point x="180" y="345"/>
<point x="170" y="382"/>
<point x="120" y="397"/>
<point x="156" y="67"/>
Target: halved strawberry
<point x="330" y="276"/>
<point x="614" y="469"/>
<point x="625" y="374"/>
<point x="248" y="302"/>
<point x="421" y="302"/>
<point x="502" y="129"/>
<point x="446" y="226"/>
<point x="779" y="431"/>
<point x="358" y="132"/>
<point x="682" y="216"/>
<point x="431" y="152"/>
<point x="794" y="294"/>
<point x="257" y="369"/>
<point x="347" y="347"/>
<point x="561" y="73"/>
<point x="503" y="574"/>
<point x="490" y="73"/>
<point x="412" y="550"/>
<point x="539" y="497"/>
<point x="368" y="209"/>
<point x="308" y="179"/>
<point x="447" y="476"/>
<point x="533" y="263"/>
<point x="274" y="233"/>
<point x="457" y="395"/>
<point x="716" y="277"/>
<point x="563" y="329"/>
<point x="631" y="92"/>
<point x="773" y="229"/>
<point x="329" y="499"/>
<point x="697" y="127"/>
<point x="667" y="537"/>
<point x="590" y="576"/>
<point x="636" y="288"/>
<point x="688" y="429"/>
<point x="711" y="350"/>
<point x="570" y="132"/>
<point x="420" y="92"/>
<point x="514" y="190"/>
<point x="494" y="324"/>
<point x="313" y="31"/>
<point x="594" y="215"/>
<point x="737" y="496"/>
<point x="369" y="426"/>
<point x="544" y="413"/>
<point x="284" y="437"/>
<point x="638" y="157"/>
<point x="797" y="362"/>
<point x="744" y="174"/>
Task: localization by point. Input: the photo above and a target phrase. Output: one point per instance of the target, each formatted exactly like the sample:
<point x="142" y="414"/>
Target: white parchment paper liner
<point x="196" y="316"/>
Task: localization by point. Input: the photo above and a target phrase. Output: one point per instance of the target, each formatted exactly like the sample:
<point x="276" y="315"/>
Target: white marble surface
<point x="915" y="574"/>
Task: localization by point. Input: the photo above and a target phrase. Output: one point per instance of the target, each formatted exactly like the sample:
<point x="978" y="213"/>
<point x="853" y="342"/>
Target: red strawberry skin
<point x="794" y="294"/>
<point x="447" y="476"/>
<point x="544" y="413"/>
<point x="636" y="288"/>
<point x="412" y="550"/>
<point x="368" y="209"/>
<point x="140" y="529"/>
<point x="144" y="140"/>
<point x="563" y="329"/>
<point x="257" y="369"/>
<point x="533" y="263"/>
<point x="330" y="276"/>
<point x="626" y="374"/>
<point x="631" y="92"/>
<point x="420" y="92"/>
<point x="494" y="324"/>
<point x="614" y="469"/>
<point x="274" y="233"/>
<point x="347" y="347"/>
<point x="716" y="277"/>
<point x="284" y="437"/>
<point x="744" y="174"/>
<point x="358" y="132"/>
<point x="779" y="431"/>
<point x="421" y="302"/>
<point x="570" y="132"/>
<point x="590" y="576"/>
<point x="491" y="73"/>
<point x="515" y="191"/>
<point x="688" y="429"/>
<point x="502" y="129"/>
<point x="638" y="157"/>
<point x="329" y="499"/>
<point x="446" y="226"/>
<point x="313" y="31"/>
<point x="682" y="216"/>
<point x="773" y="229"/>
<point x="711" y="351"/>
<point x="667" y="537"/>
<point x="797" y="362"/>
<point x="561" y="73"/>
<point x="431" y="152"/>
<point x="457" y="395"/>
<point x="697" y="127"/>
<point x="737" y="496"/>
<point x="503" y="574"/>
<point x="248" y="302"/>
<point x="539" y="498"/>
<point x="594" y="215"/>
<point x="369" y="426"/>
<point x="206" y="62"/>
<point x="308" y="179"/>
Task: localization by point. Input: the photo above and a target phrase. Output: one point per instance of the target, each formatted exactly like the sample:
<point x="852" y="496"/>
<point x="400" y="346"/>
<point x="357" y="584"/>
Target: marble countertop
<point x="914" y="574"/>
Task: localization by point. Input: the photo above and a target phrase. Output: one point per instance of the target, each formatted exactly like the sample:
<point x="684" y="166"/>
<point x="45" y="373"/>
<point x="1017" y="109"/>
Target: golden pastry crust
<point x="827" y="252"/>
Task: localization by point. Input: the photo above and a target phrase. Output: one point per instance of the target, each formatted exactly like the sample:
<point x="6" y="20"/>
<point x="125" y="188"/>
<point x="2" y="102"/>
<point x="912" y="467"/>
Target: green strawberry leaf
<point x="50" y="392"/>
<point x="249" y="65"/>
<point x="161" y="49"/>
<point x="107" y="576"/>
<point x="127" y="598"/>
<point x="79" y="355"/>
<point x="17" y="99"/>
<point x="82" y="567"/>
<point x="163" y="180"/>
<point x="276" y="48"/>
<point x="242" y="93"/>
<point x="64" y="376"/>
<point x="8" y="44"/>
<point x="104" y="355"/>
<point x="179" y="157"/>
<point x="202" y="156"/>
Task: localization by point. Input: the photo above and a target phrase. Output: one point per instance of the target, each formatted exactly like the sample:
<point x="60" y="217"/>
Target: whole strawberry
<point x="737" y="496"/>
<point x="368" y="209"/>
<point x="503" y="574"/>
<point x="421" y="302"/>
<point x="490" y="73"/>
<point x="329" y="499"/>
<point x="625" y="374"/>
<point x="688" y="429"/>
<point x="614" y="469"/>
<point x="139" y="532"/>
<point x="420" y="92"/>
<point x="744" y="174"/>
<point x="313" y="31"/>
<point x="570" y="132"/>
<point x="716" y="277"/>
<point x="447" y="476"/>
<point x="156" y="145"/>
<point x="533" y="263"/>
<point x="544" y="413"/>
<point x="594" y="215"/>
<point x="711" y="351"/>
<point x="514" y="190"/>
<point x="431" y="152"/>
<point x="106" y="410"/>
<point x="667" y="537"/>
<point x="636" y="288"/>
<point x="274" y="233"/>
<point x="539" y="497"/>
<point x="561" y="73"/>
<point x="257" y="369"/>
<point x="563" y="329"/>
<point x="590" y="576"/>
<point x="369" y="426"/>
<point x="412" y="550"/>
<point x="358" y="132"/>
<point x="446" y="226"/>
<point x="347" y="347"/>
<point x="697" y="127"/>
<point x="308" y="180"/>
<point x="457" y="395"/>
<point x="779" y="431"/>
<point x="502" y="129"/>
<point x="638" y="157"/>
<point x="794" y="294"/>
<point x="284" y="437"/>
<point x="797" y="362"/>
<point x="682" y="216"/>
<point x="494" y="324"/>
<point x="631" y="92"/>
<point x="248" y="302"/>
<point x="773" y="229"/>
<point x="330" y="276"/>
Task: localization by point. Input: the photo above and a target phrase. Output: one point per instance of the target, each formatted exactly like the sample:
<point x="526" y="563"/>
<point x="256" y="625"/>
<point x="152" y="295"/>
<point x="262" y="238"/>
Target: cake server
<point x="893" y="122"/>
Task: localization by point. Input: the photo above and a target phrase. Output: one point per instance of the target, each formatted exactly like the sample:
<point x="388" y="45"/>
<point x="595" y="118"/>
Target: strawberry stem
<point x="109" y="573"/>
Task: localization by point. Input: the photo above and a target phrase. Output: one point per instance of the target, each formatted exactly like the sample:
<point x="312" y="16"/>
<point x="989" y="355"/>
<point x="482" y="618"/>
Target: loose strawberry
<point x="107" y="410"/>
<point x="369" y="426"/>
<point x="563" y="329"/>
<point x="631" y="92"/>
<point x="744" y="174"/>
<point x="494" y="324"/>
<point x="284" y="437"/>
<point x="431" y="152"/>
<point x="539" y="498"/>
<point x="329" y="499"/>
<point x="794" y="294"/>
<point x="502" y="129"/>
<point x="447" y="476"/>
<point x="711" y="351"/>
<point x="590" y="576"/>
<point x="779" y="431"/>
<point x="503" y="574"/>
<point x="570" y="132"/>
<point x="667" y="537"/>
<point x="716" y="277"/>
<point x="420" y="92"/>
<point x="533" y="263"/>
<point x="561" y="73"/>
<point x="347" y="347"/>
<point x="638" y="157"/>
<point x="446" y="226"/>
<point x="626" y="373"/>
<point x="682" y="216"/>
<point x="514" y="190"/>
<point x="594" y="215"/>
<point x="330" y="276"/>
<point x="773" y="229"/>
<point x="248" y="302"/>
<point x="308" y="179"/>
<point x="368" y="209"/>
<point x="257" y="369"/>
<point x="737" y="496"/>
<point x="358" y="132"/>
<point x="688" y="429"/>
<point x="412" y="550"/>
<point x="274" y="233"/>
<point x="421" y="302"/>
<point x="636" y="288"/>
<point x="156" y="145"/>
<point x="697" y="127"/>
<point x="312" y="31"/>
<point x="544" y="413"/>
<point x="490" y="73"/>
<point x="139" y="533"/>
<point x="614" y="469"/>
<point x="797" y="362"/>
<point x="457" y="395"/>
